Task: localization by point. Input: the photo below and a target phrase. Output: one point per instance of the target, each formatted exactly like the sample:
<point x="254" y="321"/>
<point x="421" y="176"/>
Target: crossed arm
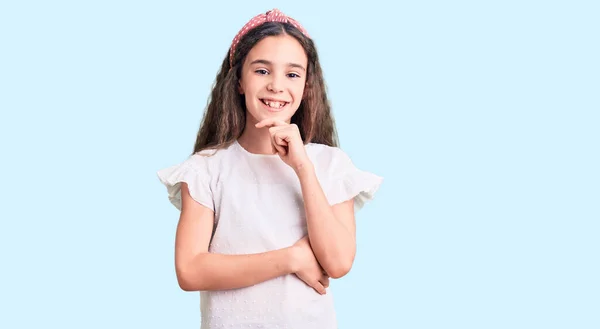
<point x="331" y="233"/>
<point x="197" y="269"/>
<point x="331" y="229"/>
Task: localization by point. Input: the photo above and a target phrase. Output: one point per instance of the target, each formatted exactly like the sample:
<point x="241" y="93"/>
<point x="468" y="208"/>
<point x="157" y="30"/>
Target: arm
<point x="197" y="269"/>
<point x="331" y="229"/>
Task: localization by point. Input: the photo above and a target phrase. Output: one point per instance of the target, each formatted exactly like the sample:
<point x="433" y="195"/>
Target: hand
<point x="287" y="142"/>
<point x="308" y="268"/>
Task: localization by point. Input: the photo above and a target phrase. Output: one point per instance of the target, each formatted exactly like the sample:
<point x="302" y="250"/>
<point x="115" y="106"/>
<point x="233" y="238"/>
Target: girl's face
<point x="273" y="78"/>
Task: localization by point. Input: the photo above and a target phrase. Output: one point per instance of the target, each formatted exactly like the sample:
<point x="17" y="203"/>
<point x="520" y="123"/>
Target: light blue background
<point x="483" y="118"/>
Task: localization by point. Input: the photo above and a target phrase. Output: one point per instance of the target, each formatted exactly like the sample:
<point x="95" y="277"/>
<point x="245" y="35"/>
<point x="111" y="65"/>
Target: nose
<point x="275" y="85"/>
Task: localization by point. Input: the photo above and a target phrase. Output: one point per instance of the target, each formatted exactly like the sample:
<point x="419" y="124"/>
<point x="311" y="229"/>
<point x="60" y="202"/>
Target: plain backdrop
<point x="482" y="117"/>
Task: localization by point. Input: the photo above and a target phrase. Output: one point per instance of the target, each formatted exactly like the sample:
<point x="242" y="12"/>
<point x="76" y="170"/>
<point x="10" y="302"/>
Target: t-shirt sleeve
<point x="342" y="180"/>
<point x="194" y="172"/>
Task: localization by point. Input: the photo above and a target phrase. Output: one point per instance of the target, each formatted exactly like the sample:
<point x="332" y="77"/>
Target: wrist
<point x="292" y="259"/>
<point x="304" y="168"/>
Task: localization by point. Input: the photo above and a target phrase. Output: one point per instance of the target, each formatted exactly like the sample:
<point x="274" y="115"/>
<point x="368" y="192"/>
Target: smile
<point x="273" y="105"/>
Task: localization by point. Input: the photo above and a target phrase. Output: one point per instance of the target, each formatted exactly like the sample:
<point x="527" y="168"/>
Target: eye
<point x="293" y="75"/>
<point x="261" y="71"/>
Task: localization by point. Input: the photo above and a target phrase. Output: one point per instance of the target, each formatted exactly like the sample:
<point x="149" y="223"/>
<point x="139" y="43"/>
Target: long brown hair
<point x="225" y="116"/>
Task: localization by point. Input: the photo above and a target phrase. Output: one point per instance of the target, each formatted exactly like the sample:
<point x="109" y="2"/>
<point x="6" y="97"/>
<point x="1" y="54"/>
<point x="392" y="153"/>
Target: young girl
<point x="267" y="199"/>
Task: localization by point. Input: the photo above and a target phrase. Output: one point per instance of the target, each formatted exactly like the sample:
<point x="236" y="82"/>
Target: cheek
<point x="300" y="92"/>
<point x="250" y="105"/>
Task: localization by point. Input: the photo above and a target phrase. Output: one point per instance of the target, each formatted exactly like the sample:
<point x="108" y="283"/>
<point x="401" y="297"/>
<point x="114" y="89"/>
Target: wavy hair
<point x="225" y="115"/>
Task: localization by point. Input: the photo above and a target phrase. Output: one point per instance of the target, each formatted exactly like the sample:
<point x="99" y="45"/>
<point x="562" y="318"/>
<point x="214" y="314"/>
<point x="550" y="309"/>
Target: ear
<point x="240" y="89"/>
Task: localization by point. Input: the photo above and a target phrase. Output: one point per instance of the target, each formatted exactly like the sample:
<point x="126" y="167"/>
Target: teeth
<point x="276" y="105"/>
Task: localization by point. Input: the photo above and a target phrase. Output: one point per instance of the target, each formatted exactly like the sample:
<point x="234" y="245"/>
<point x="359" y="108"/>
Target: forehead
<point x="278" y="49"/>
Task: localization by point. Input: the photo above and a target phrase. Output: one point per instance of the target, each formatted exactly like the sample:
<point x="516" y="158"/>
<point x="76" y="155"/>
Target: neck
<point x="255" y="140"/>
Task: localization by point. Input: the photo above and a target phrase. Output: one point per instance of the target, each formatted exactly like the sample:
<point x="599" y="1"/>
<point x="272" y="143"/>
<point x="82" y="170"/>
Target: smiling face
<point x="273" y="78"/>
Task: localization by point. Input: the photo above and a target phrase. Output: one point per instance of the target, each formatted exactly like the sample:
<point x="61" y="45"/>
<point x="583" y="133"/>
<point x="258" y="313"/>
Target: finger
<point x="280" y="149"/>
<point x="319" y="288"/>
<point x="274" y="149"/>
<point x="282" y="138"/>
<point x="324" y="281"/>
<point x="270" y="123"/>
<point x="279" y="145"/>
<point x="273" y="129"/>
<point x="273" y="133"/>
<point x="285" y="139"/>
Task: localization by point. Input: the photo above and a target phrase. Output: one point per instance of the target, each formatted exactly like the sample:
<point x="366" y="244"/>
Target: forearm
<point x="209" y="271"/>
<point x="332" y="242"/>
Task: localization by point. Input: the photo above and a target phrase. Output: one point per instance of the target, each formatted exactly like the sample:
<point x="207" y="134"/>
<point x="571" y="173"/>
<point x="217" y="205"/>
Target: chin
<point x="281" y="115"/>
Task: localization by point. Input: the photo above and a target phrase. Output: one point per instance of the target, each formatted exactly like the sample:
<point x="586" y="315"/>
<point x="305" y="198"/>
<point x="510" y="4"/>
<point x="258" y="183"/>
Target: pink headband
<point x="270" y="16"/>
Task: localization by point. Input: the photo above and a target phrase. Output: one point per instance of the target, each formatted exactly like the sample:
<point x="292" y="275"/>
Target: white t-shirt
<point x="258" y="207"/>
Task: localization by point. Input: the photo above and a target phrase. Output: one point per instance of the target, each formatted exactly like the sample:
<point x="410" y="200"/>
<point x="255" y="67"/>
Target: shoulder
<point x="197" y="171"/>
<point x="210" y="158"/>
<point x="325" y="157"/>
<point x="340" y="178"/>
<point x="322" y="151"/>
<point x="203" y="165"/>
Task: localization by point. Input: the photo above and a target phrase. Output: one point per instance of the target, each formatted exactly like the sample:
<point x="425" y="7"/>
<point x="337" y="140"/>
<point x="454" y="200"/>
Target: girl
<point x="267" y="199"/>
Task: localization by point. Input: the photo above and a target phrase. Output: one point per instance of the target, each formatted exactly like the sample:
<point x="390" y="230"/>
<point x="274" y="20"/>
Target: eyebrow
<point x="266" y="62"/>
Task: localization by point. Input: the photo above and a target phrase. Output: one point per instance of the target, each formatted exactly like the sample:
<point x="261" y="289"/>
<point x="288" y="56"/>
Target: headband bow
<point x="270" y="16"/>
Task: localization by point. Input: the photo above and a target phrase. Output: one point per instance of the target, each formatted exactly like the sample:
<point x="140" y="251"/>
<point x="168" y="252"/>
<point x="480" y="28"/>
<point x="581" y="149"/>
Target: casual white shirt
<point x="258" y="207"/>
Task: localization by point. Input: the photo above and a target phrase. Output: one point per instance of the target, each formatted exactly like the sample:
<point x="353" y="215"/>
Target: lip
<point x="273" y="100"/>
<point x="270" y="109"/>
